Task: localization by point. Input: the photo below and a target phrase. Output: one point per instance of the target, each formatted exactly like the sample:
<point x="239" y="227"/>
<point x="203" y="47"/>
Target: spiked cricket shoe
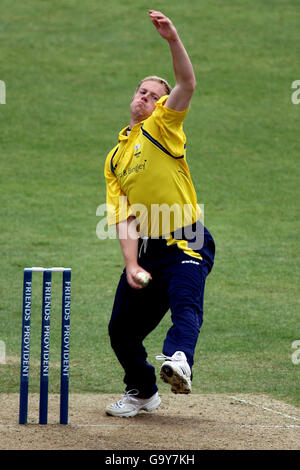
<point x="176" y="371"/>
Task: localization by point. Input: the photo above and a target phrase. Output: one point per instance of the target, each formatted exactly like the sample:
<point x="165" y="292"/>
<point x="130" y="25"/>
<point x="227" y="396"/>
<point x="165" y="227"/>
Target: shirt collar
<point x="123" y="133"/>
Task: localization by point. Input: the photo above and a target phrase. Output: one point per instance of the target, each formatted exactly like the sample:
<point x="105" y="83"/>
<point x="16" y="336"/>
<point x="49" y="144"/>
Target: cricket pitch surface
<point x="183" y="422"/>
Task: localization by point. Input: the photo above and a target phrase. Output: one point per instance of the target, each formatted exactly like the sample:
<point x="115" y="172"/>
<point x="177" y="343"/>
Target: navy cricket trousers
<point x="178" y="282"/>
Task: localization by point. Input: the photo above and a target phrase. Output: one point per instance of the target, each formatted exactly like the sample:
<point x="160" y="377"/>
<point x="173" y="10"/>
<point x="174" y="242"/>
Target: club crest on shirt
<point x="137" y="151"/>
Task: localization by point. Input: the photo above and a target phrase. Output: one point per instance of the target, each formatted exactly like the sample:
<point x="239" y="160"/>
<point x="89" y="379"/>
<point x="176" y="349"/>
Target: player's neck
<point x="133" y="122"/>
<point x="136" y="119"/>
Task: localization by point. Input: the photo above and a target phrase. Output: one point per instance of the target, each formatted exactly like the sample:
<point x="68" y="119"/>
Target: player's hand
<point x="131" y="275"/>
<point x="163" y="25"/>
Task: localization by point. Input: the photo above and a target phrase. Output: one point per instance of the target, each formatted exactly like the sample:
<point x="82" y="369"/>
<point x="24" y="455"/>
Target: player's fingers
<point x="141" y="270"/>
<point x="164" y="22"/>
<point x="133" y="283"/>
<point x="155" y="22"/>
<point x="161" y="21"/>
<point x="157" y="14"/>
<point x="132" y="278"/>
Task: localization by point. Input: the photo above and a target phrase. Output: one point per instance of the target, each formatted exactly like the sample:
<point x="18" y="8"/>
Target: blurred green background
<point x="70" y="70"/>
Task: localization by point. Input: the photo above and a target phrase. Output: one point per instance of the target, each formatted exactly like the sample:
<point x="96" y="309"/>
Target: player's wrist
<point x="174" y="37"/>
<point x="132" y="265"/>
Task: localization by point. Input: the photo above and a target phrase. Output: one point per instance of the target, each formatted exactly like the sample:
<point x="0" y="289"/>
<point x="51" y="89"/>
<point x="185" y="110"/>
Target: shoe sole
<point x="177" y="382"/>
<point x="128" y="415"/>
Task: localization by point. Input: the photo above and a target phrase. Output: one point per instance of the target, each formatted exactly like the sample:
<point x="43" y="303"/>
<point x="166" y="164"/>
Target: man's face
<point x="143" y="102"/>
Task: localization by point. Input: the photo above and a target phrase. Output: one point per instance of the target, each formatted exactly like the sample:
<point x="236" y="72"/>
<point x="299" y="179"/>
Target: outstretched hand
<point x="163" y="25"/>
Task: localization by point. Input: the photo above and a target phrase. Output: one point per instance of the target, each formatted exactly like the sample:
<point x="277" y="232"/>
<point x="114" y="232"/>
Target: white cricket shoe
<point x="176" y="372"/>
<point x="130" y="405"/>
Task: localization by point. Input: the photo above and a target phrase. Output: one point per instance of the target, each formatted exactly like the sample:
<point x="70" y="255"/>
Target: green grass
<point x="70" y="69"/>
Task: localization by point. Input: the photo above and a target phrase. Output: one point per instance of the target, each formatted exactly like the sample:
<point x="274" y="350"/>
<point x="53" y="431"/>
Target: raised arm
<point x="180" y="97"/>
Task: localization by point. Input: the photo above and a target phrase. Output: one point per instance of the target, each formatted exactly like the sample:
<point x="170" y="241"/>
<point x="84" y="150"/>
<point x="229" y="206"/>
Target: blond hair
<point x="160" y="80"/>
